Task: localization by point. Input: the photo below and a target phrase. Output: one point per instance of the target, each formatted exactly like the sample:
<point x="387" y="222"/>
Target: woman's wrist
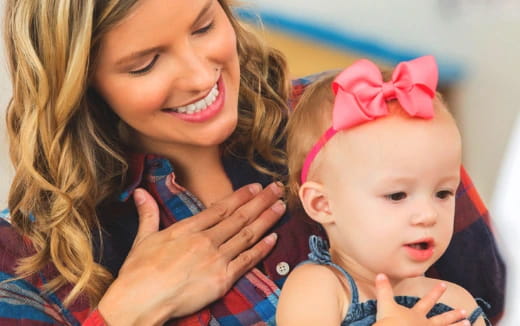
<point x="121" y="308"/>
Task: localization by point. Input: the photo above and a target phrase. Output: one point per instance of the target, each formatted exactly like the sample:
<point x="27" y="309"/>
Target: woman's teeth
<point x="200" y="104"/>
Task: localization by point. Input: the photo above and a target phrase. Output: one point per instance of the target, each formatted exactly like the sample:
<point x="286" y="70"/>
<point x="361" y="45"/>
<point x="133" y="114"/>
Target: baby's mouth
<point x="423" y="244"/>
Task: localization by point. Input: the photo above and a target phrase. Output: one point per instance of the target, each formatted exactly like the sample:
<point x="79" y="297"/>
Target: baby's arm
<point x="311" y="295"/>
<point x="389" y="313"/>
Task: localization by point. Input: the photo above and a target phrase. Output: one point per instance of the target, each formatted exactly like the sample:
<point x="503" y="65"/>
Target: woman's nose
<point x="195" y="72"/>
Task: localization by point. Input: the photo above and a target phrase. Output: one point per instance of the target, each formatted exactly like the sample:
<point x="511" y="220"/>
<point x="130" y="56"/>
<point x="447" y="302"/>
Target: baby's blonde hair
<point x="310" y="119"/>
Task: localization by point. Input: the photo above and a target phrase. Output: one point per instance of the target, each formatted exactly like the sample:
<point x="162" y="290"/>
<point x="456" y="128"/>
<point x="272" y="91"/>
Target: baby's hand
<point x="390" y="313"/>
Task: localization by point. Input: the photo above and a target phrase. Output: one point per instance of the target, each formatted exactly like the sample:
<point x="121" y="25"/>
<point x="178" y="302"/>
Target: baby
<point x="377" y="164"/>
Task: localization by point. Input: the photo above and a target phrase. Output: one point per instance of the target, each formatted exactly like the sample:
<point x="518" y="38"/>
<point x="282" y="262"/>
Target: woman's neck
<point x="200" y="170"/>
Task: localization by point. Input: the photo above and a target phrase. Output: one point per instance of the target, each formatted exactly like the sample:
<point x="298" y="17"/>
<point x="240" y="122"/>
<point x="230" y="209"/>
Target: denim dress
<point x="364" y="313"/>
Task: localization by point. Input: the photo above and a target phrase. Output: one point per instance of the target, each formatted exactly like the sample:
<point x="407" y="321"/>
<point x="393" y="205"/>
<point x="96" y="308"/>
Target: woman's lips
<point x="209" y="112"/>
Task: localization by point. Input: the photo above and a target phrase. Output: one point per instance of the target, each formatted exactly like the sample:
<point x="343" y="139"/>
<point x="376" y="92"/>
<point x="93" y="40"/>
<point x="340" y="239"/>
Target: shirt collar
<point x="141" y="165"/>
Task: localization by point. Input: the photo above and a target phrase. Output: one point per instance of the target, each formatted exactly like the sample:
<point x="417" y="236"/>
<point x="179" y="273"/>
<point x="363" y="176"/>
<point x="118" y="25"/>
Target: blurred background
<point x="477" y="46"/>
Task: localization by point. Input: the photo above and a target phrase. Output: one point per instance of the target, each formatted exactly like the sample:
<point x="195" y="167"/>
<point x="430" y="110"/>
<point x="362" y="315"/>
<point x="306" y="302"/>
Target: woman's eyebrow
<point x="143" y="53"/>
<point x="203" y="11"/>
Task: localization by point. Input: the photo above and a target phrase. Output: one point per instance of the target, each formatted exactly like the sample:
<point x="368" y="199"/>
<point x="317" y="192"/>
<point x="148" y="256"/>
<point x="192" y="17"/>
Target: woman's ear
<point x="315" y="202"/>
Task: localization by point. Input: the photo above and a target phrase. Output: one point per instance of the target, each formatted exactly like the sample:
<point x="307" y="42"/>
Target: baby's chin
<point x="402" y="275"/>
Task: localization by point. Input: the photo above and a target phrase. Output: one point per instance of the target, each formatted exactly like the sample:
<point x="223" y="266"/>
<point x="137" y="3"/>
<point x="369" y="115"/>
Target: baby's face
<point x="391" y="185"/>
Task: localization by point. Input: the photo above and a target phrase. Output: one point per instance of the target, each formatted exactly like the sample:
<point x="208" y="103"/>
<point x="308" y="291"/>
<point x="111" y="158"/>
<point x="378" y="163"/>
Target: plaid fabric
<point x="471" y="260"/>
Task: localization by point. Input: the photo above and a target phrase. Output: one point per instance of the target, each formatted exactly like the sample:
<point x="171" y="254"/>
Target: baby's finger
<point x="384" y="294"/>
<point x="427" y="302"/>
<point x="454" y="317"/>
<point x="464" y="322"/>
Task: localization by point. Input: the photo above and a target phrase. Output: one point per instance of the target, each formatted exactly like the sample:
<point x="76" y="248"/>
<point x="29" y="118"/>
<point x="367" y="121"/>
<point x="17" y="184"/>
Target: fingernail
<point x="380" y="277"/>
<point x="255" y="188"/>
<point x="278" y="207"/>
<point x="139" y="197"/>
<point x="466" y="323"/>
<point x="277" y="188"/>
<point x="271" y="238"/>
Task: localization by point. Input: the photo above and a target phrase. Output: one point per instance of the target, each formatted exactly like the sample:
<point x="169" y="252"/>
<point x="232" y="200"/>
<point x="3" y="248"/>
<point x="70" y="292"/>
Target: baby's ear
<point x="315" y="202"/>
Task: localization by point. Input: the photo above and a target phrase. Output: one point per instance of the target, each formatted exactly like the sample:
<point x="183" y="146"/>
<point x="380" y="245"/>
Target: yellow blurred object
<point x="306" y="57"/>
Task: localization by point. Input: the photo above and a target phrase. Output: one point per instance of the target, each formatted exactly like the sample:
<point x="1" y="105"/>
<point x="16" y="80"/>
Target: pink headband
<point x="361" y="96"/>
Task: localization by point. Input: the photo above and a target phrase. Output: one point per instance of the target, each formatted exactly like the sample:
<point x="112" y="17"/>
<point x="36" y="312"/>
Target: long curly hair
<point x="68" y="157"/>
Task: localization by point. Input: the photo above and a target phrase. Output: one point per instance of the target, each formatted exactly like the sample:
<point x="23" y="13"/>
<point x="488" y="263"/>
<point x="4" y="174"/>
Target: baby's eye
<point x="443" y="194"/>
<point x="396" y="196"/>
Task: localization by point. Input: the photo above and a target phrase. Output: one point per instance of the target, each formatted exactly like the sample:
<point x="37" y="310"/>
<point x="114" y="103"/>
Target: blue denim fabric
<point x="364" y="313"/>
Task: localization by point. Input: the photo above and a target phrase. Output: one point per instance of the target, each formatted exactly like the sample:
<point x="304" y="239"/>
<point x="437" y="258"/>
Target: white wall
<point x="481" y="36"/>
<point x="506" y="206"/>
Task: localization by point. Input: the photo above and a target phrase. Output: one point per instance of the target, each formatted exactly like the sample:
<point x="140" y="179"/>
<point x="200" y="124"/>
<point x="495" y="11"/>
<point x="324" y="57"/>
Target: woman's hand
<point x="390" y="313"/>
<point x="181" y="269"/>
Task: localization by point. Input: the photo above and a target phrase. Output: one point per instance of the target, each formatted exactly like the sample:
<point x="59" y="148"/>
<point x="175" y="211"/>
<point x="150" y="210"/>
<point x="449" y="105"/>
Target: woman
<point x="114" y="98"/>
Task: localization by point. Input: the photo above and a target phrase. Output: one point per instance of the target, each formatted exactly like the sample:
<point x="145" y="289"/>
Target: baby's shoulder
<point x="310" y="273"/>
<point x="312" y="292"/>
<point x="455" y="295"/>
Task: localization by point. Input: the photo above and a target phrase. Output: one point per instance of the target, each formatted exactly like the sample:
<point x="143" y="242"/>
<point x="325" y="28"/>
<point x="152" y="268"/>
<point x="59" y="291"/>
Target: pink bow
<point x="361" y="96"/>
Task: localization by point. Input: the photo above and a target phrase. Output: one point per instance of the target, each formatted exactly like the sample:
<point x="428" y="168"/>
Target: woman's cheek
<point x="150" y="93"/>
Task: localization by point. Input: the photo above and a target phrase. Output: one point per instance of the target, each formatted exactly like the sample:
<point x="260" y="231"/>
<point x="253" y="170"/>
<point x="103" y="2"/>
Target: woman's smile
<point x="202" y="109"/>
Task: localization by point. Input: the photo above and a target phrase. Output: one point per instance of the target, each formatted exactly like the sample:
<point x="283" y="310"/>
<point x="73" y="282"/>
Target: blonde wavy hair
<point x="67" y="154"/>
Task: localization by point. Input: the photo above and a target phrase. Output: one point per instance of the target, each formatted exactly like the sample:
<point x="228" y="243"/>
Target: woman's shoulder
<point x="23" y="298"/>
<point x="12" y="244"/>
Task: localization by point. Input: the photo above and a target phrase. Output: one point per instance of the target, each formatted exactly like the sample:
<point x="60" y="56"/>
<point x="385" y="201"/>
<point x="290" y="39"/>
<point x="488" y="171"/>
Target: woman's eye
<point x="204" y="29"/>
<point x="397" y="196"/>
<point x="147" y="68"/>
<point x="444" y="194"/>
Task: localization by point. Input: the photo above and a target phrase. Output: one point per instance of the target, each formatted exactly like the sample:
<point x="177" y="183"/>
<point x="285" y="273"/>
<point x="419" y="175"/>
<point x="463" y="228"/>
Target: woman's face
<point x="170" y="70"/>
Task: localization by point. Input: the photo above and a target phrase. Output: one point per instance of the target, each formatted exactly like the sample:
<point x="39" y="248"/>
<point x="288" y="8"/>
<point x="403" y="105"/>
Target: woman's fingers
<point x="250" y="234"/>
<point x="239" y="225"/>
<point x="427" y="302"/>
<point x="249" y="258"/>
<point x="148" y="212"/>
<point x="219" y="211"/>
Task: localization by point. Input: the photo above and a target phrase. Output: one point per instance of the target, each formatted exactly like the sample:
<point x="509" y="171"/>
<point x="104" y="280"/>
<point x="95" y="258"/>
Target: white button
<point x="282" y="268"/>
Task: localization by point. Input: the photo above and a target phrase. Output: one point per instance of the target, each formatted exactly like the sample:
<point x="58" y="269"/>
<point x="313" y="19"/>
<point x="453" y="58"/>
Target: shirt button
<point x="282" y="268"/>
